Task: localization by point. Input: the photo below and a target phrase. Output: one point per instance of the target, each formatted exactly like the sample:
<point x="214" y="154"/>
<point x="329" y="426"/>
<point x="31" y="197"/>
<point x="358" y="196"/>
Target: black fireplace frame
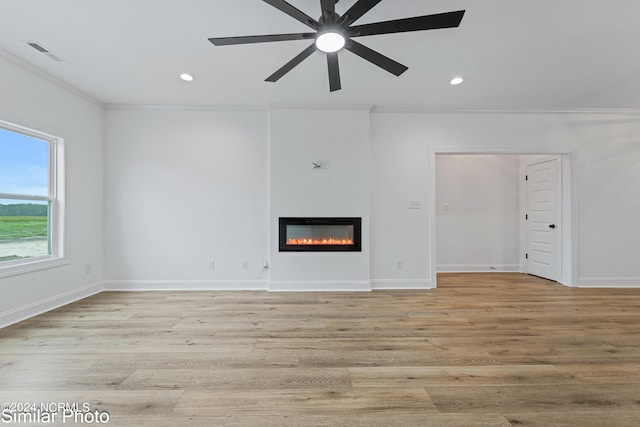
<point x="357" y="234"/>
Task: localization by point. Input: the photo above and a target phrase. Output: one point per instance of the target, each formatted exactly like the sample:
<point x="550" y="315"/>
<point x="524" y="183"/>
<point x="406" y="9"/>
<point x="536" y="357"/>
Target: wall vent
<point x="40" y="48"/>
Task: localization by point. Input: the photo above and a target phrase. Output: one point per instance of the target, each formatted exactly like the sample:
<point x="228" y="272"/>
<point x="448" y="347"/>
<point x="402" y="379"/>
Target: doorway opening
<point x="500" y="211"/>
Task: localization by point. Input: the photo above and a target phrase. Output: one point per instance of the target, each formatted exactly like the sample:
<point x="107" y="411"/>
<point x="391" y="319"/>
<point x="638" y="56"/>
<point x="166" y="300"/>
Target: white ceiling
<point x="514" y="54"/>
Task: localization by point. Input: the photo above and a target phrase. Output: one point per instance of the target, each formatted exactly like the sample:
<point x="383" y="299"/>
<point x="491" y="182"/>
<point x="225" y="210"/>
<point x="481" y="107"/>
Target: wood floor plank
<point x="366" y="343"/>
<point x="46" y="361"/>
<point x="574" y="418"/>
<point x="154" y="379"/>
<point x="376" y="419"/>
<point x="201" y="360"/>
<point x="500" y="375"/>
<point x="240" y="326"/>
<point x="599" y="373"/>
<point x="614" y="398"/>
<point x="316" y="401"/>
<point x="373" y="358"/>
<point x="61" y="379"/>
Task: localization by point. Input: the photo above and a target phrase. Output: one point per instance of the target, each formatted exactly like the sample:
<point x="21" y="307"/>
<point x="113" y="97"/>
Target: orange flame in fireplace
<point x="324" y="241"/>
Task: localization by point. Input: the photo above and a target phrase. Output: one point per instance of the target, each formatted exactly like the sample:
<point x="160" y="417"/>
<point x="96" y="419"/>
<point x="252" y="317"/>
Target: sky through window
<point x="24" y="162"/>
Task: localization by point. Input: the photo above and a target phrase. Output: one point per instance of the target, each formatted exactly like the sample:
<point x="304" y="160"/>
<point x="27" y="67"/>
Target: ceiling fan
<point x="333" y="32"/>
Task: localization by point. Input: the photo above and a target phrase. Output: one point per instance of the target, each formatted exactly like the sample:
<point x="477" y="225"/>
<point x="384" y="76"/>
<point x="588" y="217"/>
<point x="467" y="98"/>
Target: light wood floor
<point x="482" y="349"/>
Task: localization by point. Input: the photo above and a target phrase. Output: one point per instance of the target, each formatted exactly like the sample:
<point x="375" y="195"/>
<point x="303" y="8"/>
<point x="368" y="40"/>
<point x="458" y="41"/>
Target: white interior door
<point x="542" y="216"/>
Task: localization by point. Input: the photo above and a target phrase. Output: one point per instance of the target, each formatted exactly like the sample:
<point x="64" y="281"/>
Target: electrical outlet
<point x="87" y="269"/>
<point x="212" y="265"/>
<point x="245" y="264"/>
<point x="265" y="264"/>
<point x="400" y="265"/>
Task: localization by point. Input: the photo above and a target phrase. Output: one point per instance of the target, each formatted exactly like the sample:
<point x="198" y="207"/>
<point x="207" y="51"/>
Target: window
<point x="31" y="200"/>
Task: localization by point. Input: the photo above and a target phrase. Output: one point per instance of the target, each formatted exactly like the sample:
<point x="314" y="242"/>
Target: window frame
<point x="55" y="197"/>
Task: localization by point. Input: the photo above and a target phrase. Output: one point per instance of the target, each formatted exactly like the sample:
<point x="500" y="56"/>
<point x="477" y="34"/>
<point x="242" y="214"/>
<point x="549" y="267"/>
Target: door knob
<point x="552" y="226"/>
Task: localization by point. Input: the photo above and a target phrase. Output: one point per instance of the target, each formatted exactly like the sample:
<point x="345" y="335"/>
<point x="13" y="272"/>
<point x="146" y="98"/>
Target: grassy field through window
<point x="23" y="237"/>
<point x="22" y="227"/>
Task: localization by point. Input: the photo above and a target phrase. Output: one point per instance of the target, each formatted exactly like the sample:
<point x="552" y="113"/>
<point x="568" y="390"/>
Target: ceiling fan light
<point x="186" y="77"/>
<point x="330" y="41"/>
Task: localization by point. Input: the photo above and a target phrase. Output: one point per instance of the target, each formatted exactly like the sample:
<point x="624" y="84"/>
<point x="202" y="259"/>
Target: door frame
<point x="569" y="240"/>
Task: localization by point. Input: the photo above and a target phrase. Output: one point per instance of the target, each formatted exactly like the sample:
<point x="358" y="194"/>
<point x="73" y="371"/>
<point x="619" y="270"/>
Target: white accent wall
<point x="30" y="100"/>
<point x="300" y="137"/>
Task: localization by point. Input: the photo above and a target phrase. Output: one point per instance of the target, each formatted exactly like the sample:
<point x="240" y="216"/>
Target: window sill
<point x="32" y="265"/>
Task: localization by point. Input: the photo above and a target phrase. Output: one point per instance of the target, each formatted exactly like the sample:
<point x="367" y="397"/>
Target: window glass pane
<point x="24" y="229"/>
<point x="24" y="164"/>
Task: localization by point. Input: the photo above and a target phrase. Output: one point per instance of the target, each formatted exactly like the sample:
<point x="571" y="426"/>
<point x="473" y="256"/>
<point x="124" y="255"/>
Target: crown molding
<point x="327" y="107"/>
<point x="190" y="107"/>
<point x="51" y="79"/>
<point x="429" y="110"/>
<point x="373" y="109"/>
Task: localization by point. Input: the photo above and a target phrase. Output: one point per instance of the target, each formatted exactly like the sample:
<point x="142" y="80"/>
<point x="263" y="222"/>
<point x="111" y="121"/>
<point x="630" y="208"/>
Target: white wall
<point x="399" y="234"/>
<point x="298" y="138"/>
<point x="30" y="100"/>
<point x="264" y="158"/>
<point x="477" y="212"/>
<point x="606" y="149"/>
<point x="185" y="187"/>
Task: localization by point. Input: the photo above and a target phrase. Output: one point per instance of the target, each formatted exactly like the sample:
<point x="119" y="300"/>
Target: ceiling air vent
<point x="38" y="46"/>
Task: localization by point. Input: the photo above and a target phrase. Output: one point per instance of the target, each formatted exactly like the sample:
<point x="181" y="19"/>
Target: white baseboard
<point x="609" y="282"/>
<point x="185" y="285"/>
<point x="30" y="310"/>
<point x="320" y="286"/>
<point x="401" y="284"/>
<point x="478" y="268"/>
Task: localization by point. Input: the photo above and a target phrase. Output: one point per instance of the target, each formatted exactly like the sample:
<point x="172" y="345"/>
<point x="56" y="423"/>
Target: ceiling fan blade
<point x="328" y="7"/>
<point x="293" y="12"/>
<point x="376" y="58"/>
<point x="418" y="23"/>
<point x="291" y="64"/>
<point x="334" y="72"/>
<point x="356" y="11"/>
<point x="224" y="41"/>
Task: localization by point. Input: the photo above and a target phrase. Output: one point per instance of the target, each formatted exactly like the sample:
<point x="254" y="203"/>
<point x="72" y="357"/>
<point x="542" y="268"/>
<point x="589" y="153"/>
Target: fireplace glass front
<point x="320" y="234"/>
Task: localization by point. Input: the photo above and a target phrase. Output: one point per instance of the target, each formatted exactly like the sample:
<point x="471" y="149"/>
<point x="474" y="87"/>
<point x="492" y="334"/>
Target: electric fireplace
<point x="320" y="235"/>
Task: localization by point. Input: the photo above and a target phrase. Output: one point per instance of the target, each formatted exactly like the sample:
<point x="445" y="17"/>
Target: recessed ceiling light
<point x="186" y="77"/>
<point x="457" y="81"/>
<point x="331" y="41"/>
